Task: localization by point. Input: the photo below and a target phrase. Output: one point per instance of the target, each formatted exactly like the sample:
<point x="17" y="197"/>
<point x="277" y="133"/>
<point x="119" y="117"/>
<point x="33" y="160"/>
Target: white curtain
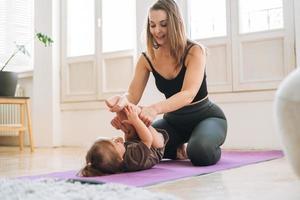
<point x="16" y="27"/>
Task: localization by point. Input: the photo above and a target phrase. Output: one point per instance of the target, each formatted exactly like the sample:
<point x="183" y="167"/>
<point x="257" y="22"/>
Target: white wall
<point x="250" y="125"/>
<point x="46" y="82"/>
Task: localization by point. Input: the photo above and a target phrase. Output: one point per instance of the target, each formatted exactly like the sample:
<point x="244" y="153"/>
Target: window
<point x="208" y="18"/>
<point x="118" y="30"/>
<point x="16" y="27"/>
<point x="98" y="40"/>
<point x="81" y="27"/>
<point x="255" y="52"/>
<point x="260" y="15"/>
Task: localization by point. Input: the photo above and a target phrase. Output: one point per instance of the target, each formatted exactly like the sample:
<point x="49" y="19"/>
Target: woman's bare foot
<point x="181" y="152"/>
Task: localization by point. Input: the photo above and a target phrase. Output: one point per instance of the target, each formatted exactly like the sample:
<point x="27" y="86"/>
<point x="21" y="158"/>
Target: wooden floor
<point x="268" y="180"/>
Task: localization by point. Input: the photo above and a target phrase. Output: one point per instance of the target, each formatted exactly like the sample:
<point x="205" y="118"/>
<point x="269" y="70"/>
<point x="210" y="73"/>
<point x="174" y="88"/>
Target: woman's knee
<point x="202" y="154"/>
<point x="204" y="144"/>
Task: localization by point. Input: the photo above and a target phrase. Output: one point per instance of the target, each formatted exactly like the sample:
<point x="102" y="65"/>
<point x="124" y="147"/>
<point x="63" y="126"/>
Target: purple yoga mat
<point x="169" y="170"/>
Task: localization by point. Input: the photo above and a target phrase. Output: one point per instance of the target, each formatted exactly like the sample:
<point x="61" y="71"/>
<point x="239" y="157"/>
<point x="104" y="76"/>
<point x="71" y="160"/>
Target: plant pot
<point x="8" y="83"/>
<point x="287" y="114"/>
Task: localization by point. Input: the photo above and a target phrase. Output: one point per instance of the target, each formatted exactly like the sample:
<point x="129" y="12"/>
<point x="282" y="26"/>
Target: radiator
<point x="10" y="114"/>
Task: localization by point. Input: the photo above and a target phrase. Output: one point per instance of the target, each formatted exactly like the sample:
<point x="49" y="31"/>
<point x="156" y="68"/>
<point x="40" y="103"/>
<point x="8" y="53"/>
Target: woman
<point x="178" y="66"/>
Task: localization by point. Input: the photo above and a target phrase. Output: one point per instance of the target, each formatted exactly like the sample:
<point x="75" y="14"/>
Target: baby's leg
<point x="110" y="102"/>
<point x="116" y="103"/>
<point x="121" y="114"/>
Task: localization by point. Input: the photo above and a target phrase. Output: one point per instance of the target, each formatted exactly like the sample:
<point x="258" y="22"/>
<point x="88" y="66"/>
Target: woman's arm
<point x="136" y="87"/>
<point x="139" y="81"/>
<point x="195" y="64"/>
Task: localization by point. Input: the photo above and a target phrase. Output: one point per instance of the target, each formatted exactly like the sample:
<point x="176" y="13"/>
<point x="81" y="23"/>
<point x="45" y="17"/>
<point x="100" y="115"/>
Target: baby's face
<point x="118" y="143"/>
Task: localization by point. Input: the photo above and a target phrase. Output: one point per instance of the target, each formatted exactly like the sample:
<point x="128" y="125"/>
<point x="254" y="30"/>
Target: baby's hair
<point x="101" y="159"/>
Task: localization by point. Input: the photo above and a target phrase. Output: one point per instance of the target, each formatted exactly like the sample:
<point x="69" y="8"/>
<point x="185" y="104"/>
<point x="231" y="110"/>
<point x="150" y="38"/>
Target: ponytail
<point x="102" y="159"/>
<point x="88" y="171"/>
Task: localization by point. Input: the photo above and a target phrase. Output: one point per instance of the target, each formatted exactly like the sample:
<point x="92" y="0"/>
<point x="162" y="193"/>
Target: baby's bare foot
<point x="181" y="152"/>
<point x="116" y="103"/>
<point x="112" y="101"/>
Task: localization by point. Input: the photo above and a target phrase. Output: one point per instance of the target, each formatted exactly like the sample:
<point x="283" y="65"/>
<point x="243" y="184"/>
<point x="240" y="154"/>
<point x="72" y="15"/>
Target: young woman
<point x="178" y="66"/>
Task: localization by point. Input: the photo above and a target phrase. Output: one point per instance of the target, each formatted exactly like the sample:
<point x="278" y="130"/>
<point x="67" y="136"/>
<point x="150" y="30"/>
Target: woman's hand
<point x="147" y="115"/>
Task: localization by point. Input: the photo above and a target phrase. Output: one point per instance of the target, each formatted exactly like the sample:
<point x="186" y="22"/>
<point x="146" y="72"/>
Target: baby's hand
<point x="131" y="113"/>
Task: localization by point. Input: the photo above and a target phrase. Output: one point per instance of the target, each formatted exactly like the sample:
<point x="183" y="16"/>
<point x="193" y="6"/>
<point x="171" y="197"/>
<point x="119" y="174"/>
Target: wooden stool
<point x="24" y="108"/>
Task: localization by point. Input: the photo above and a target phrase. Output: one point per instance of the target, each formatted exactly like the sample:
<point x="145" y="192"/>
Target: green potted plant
<point x="9" y="80"/>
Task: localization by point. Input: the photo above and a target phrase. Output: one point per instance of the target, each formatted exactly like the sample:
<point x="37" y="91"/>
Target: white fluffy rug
<point x="14" y="189"/>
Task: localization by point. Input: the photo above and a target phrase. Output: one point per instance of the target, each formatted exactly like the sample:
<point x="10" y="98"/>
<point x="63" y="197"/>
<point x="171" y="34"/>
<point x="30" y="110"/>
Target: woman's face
<point x="158" y="26"/>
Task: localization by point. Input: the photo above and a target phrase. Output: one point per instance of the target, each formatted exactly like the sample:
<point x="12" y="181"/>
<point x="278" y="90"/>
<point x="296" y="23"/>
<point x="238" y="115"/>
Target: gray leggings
<point x="203" y="126"/>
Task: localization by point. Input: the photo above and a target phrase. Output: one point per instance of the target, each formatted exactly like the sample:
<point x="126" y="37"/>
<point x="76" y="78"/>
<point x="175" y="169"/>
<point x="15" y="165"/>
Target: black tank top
<point x="169" y="87"/>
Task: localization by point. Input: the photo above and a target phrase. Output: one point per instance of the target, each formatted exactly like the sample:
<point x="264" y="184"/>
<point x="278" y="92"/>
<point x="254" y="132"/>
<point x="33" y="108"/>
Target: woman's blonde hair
<point x="101" y="159"/>
<point x="176" y="30"/>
